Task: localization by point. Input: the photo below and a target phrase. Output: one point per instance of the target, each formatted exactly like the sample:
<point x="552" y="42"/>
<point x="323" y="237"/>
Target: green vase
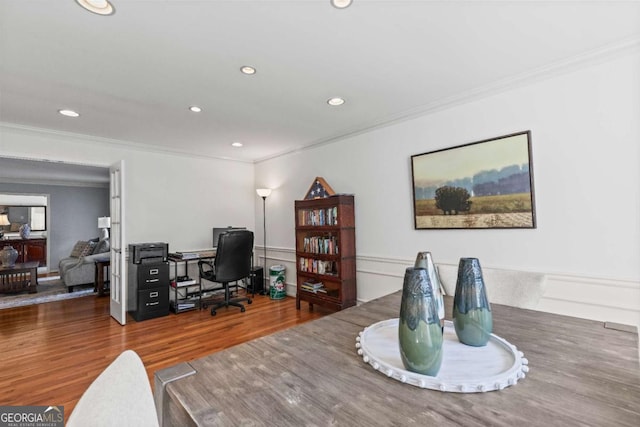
<point x="472" y="318"/>
<point x="419" y="331"/>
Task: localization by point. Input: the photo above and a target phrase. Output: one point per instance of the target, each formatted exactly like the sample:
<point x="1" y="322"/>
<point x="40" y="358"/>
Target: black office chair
<point x="232" y="263"/>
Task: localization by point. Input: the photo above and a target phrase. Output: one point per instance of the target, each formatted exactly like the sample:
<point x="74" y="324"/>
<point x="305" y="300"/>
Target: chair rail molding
<point x="597" y="298"/>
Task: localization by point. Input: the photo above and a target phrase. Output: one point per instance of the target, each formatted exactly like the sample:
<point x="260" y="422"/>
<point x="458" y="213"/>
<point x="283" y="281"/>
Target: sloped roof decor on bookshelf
<point x="319" y="189"/>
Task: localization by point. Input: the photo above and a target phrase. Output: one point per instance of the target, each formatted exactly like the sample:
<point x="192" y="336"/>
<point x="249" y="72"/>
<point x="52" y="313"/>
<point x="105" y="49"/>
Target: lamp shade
<point x="4" y="219"/>
<point x="263" y="192"/>
<point x="104" y="222"/>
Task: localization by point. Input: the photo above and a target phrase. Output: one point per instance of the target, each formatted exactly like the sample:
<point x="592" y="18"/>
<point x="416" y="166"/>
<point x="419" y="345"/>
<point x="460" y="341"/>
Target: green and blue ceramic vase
<point x="419" y="331"/>
<point x="472" y="318"/>
<point x="425" y="260"/>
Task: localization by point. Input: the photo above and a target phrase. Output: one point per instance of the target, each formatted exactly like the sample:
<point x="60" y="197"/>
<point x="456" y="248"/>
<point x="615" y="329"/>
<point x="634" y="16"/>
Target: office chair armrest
<point x="206" y="268"/>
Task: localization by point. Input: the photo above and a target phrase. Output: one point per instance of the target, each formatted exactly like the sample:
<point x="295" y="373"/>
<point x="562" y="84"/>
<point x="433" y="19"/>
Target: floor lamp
<point x="264" y="193"/>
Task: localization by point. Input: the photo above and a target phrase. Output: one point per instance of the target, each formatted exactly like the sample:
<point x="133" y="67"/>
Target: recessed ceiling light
<point x="68" y="113"/>
<point x="237" y="144"/>
<point x="195" y="109"/>
<point x="334" y="102"/>
<point x="100" y="7"/>
<point x="341" y="4"/>
<point x="247" y="70"/>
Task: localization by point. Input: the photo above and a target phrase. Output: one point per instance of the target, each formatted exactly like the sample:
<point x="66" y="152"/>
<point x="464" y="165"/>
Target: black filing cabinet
<point x="148" y="287"/>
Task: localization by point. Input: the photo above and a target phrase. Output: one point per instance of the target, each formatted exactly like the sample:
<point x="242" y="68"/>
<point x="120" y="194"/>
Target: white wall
<point x="170" y="198"/>
<point x="585" y="133"/>
<point x="586" y="152"/>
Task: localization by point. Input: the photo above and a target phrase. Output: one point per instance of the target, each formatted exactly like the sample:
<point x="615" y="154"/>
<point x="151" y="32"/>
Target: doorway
<point x="77" y="196"/>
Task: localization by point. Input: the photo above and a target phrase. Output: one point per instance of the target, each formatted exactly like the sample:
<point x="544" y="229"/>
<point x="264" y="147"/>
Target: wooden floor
<point x="52" y="352"/>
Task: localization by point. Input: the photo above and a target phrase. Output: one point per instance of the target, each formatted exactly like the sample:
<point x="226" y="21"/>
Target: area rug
<point x="49" y="289"/>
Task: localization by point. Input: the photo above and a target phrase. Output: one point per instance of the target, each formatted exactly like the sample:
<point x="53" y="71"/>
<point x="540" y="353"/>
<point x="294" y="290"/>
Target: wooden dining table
<point x="580" y="373"/>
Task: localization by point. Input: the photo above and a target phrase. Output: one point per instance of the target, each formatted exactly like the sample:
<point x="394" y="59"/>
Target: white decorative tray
<point x="464" y="369"/>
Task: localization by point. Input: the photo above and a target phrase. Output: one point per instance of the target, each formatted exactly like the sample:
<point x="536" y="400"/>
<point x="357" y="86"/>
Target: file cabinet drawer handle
<point x="153" y="280"/>
<point x="154" y="303"/>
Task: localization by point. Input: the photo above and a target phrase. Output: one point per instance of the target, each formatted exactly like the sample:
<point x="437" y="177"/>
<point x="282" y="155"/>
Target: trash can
<point x="277" y="287"/>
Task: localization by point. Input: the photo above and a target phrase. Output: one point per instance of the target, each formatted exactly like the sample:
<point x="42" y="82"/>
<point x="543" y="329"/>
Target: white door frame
<point x="118" y="292"/>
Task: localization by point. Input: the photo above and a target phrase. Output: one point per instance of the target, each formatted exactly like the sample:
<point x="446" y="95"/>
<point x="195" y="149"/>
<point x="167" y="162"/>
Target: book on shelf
<point x="320" y="244"/>
<point x="315" y="291"/>
<point x="312" y="284"/>
<point x="185" y="305"/>
<point x="180" y="283"/>
<point x="321" y="217"/>
<point x="310" y="265"/>
<point x="185" y="255"/>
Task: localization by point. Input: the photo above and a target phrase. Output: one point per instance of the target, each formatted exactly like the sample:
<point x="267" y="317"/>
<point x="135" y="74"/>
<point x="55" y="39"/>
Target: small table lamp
<point x="104" y="223"/>
<point x="4" y="220"/>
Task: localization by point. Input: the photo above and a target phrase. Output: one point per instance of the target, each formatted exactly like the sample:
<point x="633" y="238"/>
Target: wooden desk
<point x="192" y="299"/>
<point x="580" y="374"/>
<point x="21" y="277"/>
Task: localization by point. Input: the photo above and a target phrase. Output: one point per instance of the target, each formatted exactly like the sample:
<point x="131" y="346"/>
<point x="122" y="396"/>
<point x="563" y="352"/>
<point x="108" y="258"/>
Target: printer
<point x="145" y="253"/>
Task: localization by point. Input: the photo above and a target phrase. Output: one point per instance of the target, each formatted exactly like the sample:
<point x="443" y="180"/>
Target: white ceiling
<point x="133" y="75"/>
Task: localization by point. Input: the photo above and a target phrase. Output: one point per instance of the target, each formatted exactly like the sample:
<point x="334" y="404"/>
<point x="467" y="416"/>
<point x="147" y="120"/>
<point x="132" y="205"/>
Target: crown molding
<point x="129" y="145"/>
<point x="606" y="53"/>
<point x="58" y="183"/>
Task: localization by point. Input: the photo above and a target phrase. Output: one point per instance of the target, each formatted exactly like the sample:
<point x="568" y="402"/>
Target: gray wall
<point x="72" y="214"/>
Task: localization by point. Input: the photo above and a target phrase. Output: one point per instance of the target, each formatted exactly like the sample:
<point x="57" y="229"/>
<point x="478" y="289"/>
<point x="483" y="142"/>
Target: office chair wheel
<point x="213" y="311"/>
<point x="249" y="301"/>
<point x="242" y="310"/>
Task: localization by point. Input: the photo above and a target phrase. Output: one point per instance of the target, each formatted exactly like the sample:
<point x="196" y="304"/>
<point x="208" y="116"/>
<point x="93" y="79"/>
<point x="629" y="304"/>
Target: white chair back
<point x="509" y="287"/>
<point x="120" y="397"/>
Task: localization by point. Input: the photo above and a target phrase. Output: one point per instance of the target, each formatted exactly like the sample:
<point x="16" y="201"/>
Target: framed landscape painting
<point x="485" y="184"/>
